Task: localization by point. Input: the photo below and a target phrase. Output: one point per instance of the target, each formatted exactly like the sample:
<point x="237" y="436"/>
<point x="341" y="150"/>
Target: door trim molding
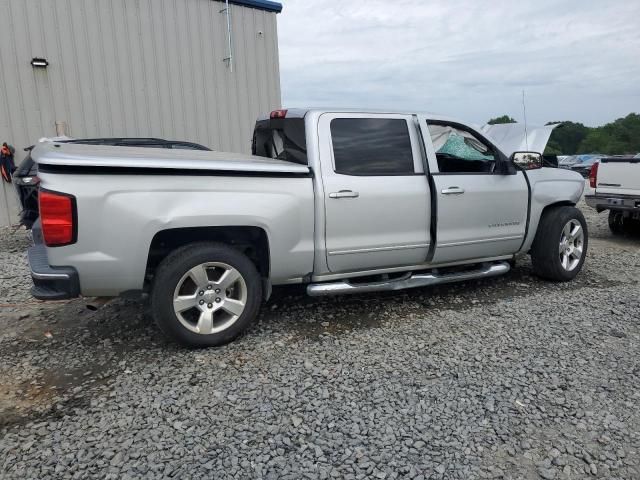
<point x="379" y="249"/>
<point x="485" y="240"/>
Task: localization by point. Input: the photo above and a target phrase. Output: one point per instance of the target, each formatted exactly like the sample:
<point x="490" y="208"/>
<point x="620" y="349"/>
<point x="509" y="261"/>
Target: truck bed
<point x="105" y="158"/>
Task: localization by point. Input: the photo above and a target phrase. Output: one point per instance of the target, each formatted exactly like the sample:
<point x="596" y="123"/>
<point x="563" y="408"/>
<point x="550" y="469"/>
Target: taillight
<point x="593" y="175"/>
<point x="58" y="218"/>
<point x="278" y="114"/>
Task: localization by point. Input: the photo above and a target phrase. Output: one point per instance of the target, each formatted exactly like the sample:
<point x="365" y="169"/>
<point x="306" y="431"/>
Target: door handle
<point x="453" y="191"/>
<point x="344" y="194"/>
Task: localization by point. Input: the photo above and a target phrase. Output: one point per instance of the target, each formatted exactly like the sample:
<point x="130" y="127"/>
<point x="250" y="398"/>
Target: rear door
<point x="481" y="212"/>
<point x="376" y="194"/>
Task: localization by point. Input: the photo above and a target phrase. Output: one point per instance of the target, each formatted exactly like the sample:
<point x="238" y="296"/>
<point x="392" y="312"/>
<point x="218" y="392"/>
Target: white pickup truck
<point x="342" y="201"/>
<point x="616" y="187"/>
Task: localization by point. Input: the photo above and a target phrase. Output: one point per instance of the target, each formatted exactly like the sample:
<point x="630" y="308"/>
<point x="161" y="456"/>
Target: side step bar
<point x="408" y="281"/>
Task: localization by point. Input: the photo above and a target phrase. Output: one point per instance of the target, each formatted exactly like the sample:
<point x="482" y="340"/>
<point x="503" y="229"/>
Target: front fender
<point x="550" y="186"/>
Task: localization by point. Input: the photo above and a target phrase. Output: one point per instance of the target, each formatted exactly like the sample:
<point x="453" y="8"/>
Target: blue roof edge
<point x="267" y="5"/>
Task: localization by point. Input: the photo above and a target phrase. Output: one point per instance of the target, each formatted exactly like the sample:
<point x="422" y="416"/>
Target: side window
<point x="371" y="146"/>
<point x="283" y="139"/>
<point x="459" y="151"/>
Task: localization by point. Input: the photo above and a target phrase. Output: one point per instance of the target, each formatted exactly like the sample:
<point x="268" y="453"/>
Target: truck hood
<point x="78" y="155"/>
<point x="511" y="137"/>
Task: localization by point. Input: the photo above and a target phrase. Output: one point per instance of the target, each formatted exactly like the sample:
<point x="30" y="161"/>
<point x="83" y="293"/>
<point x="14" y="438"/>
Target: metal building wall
<point x="134" y="68"/>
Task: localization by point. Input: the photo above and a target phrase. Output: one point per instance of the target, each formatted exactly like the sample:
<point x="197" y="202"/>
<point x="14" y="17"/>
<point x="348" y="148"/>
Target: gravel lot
<point x="505" y="378"/>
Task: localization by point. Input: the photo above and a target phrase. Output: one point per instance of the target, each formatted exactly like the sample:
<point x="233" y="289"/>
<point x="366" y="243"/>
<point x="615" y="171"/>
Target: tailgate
<point x="619" y="176"/>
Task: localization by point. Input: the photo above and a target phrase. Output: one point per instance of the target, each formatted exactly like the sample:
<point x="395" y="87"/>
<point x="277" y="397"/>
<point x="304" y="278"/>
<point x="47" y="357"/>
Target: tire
<point x="552" y="245"/>
<point x="201" y="274"/>
<point x="621" y="225"/>
<point x="616" y="222"/>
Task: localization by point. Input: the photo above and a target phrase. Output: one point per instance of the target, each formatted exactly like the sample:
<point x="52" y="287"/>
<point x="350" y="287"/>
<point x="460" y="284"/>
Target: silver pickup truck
<point x="342" y="201"/>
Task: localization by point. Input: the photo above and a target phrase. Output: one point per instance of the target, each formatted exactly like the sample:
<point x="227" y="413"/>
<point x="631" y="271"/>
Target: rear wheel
<point x="205" y="294"/>
<point x="616" y="222"/>
<point x="619" y="224"/>
<point x="560" y="245"/>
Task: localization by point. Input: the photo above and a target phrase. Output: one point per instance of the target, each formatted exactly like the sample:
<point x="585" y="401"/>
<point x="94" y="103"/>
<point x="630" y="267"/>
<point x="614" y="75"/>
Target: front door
<point x="376" y="194"/>
<point x="481" y="212"/>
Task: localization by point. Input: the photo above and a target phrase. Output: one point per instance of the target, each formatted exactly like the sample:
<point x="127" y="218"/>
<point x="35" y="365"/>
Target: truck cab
<point x="398" y="191"/>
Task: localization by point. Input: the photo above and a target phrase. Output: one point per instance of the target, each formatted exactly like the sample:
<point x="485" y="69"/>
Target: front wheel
<point x="205" y="294"/>
<point x="560" y="245"/>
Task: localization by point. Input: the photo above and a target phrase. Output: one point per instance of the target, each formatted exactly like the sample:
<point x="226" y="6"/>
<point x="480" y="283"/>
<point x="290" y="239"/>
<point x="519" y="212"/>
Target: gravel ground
<point x="506" y="378"/>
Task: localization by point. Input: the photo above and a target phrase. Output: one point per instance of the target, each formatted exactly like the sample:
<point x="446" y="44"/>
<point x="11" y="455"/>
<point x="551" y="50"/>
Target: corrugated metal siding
<point x="134" y="68"/>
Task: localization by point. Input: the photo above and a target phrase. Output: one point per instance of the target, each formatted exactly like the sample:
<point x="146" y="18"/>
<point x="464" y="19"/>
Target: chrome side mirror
<point x="527" y="160"/>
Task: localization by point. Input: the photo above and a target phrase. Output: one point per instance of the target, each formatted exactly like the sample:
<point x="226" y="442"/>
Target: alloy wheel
<point x="210" y="297"/>
<point x="571" y="245"/>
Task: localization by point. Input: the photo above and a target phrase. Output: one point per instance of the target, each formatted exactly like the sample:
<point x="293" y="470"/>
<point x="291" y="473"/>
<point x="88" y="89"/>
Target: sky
<point x="575" y="60"/>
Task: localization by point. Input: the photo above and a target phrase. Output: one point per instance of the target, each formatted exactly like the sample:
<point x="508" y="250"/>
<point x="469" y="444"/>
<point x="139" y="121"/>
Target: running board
<point x="408" y="281"/>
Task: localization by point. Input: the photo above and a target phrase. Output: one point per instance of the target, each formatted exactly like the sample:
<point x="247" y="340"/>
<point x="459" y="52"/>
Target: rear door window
<point x="283" y="139"/>
<point x="372" y="146"/>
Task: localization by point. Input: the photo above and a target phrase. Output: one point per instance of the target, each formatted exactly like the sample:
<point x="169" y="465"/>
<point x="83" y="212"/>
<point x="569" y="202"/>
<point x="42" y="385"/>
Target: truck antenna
<point x="524" y="112"/>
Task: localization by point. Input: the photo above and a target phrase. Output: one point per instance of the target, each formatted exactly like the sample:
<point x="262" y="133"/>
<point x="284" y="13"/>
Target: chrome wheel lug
<point x="218" y="300"/>
<point x="217" y="290"/>
<point x="201" y="302"/>
<point x="201" y="292"/>
<point x="209" y="287"/>
<point x="210" y="305"/>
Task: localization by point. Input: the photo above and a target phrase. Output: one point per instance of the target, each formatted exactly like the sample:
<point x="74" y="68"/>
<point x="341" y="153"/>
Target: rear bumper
<point x="50" y="283"/>
<point x="613" y="202"/>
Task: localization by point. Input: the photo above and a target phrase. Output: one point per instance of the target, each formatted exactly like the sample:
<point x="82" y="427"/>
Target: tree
<point x="566" y="138"/>
<point x="552" y="150"/>
<point x="502" y="119"/>
<point x="616" y="138"/>
<point x="620" y="137"/>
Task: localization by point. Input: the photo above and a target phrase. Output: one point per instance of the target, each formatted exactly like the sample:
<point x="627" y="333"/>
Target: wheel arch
<point x="251" y="240"/>
<point x="561" y="203"/>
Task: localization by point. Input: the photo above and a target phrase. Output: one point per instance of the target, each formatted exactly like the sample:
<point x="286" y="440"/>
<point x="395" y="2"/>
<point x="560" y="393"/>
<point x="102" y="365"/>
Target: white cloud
<point x="576" y="60"/>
